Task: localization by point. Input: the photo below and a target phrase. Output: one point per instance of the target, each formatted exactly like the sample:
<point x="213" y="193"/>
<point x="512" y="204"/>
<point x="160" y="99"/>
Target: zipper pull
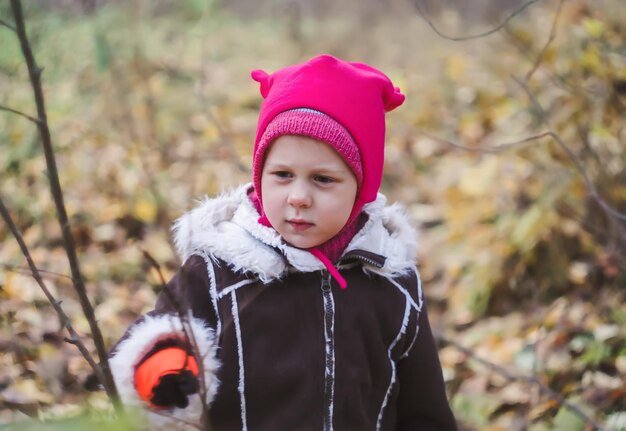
<point x="326" y="281"/>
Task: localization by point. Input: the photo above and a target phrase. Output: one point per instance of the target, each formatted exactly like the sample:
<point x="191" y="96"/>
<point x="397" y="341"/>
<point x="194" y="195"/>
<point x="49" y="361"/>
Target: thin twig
<point x="591" y="189"/>
<point x="34" y="72"/>
<point x="7" y="25"/>
<point x="184" y="314"/>
<point x="122" y="91"/>
<point x="551" y="38"/>
<point x="555" y="78"/>
<point x="618" y="237"/>
<point x="200" y="92"/>
<point x="20" y="113"/>
<point x="510" y="376"/>
<point x="56" y="304"/>
<point x="153" y="262"/>
<point x="474" y="36"/>
<point x="537" y="356"/>
<point x="494" y="149"/>
<point x="22" y="270"/>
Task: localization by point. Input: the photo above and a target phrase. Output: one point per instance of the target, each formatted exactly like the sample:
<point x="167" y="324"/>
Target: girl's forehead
<point x="297" y="150"/>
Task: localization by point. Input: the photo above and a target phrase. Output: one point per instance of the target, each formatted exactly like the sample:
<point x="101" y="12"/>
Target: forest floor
<point x="152" y="107"/>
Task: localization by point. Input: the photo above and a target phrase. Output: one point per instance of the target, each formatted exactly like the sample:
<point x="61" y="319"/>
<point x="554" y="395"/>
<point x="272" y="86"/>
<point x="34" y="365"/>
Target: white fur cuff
<point x="142" y="337"/>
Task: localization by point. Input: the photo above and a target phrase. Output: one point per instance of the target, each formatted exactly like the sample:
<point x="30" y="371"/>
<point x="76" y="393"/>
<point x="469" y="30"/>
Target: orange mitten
<point x="167" y="377"/>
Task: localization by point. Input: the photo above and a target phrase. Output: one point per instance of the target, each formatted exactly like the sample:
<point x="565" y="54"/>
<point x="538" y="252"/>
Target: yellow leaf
<point x="24" y="392"/>
<point x="480" y="179"/>
<point x="522" y="36"/>
<point x="528" y="229"/>
<point x="590" y="59"/>
<point x="145" y="210"/>
<point x="594" y="27"/>
<point x="211" y="132"/>
<point x="455" y="67"/>
<point x="111" y="211"/>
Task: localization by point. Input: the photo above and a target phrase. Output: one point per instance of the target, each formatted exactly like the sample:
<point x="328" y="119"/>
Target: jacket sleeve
<point x="183" y="314"/>
<point x="422" y="401"/>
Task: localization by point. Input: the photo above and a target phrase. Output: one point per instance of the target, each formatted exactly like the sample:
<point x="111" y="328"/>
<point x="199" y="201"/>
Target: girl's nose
<point x="299" y="196"/>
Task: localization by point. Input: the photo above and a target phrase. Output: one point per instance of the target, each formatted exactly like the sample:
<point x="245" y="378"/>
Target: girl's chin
<point x="299" y="242"/>
<point x="303" y="244"/>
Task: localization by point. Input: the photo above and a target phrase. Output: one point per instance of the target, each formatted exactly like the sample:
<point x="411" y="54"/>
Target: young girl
<point x="301" y="290"/>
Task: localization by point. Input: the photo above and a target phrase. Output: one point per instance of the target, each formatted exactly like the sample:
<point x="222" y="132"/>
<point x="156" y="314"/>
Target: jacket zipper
<point x="362" y="259"/>
<point x="329" y="363"/>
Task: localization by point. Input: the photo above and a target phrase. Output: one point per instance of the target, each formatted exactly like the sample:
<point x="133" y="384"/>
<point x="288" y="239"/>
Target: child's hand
<point x="167" y="377"/>
<point x="173" y="389"/>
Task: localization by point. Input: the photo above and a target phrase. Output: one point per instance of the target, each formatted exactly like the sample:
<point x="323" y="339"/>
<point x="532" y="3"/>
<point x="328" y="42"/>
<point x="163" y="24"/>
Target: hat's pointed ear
<point x="264" y="79"/>
<point x="392" y="98"/>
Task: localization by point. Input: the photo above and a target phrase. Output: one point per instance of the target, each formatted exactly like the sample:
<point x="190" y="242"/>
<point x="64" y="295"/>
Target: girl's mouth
<point x="299" y="225"/>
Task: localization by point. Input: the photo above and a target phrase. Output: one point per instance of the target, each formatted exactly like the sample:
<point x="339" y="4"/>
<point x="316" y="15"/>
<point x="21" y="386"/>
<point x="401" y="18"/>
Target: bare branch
<point x="184" y="314"/>
<point x="551" y="38"/>
<point x="22" y="270"/>
<point x="34" y="72"/>
<point x="474" y="36"/>
<point x="495" y="149"/>
<point x="546" y="390"/>
<point x="7" y="25"/>
<point x="555" y="78"/>
<point x="136" y="139"/>
<point x="153" y="262"/>
<point x="21" y="114"/>
<point x="591" y="189"/>
<point x="56" y="304"/>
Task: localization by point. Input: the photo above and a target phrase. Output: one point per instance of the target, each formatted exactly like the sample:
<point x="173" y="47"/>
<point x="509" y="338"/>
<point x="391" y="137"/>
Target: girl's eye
<point x="282" y="174"/>
<point x="324" y="179"/>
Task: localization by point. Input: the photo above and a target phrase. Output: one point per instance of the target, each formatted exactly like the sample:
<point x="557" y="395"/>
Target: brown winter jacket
<point x="284" y="347"/>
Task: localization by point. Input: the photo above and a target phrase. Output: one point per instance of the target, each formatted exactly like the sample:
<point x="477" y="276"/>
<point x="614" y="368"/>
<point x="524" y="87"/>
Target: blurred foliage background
<point x="151" y="106"/>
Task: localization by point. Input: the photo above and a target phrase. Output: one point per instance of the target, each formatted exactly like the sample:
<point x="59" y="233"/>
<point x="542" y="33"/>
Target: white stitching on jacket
<point x="406" y="294"/>
<point x="405" y="321"/>
<point x="329" y="346"/>
<point x="420" y="293"/>
<point x="233" y="287"/>
<point x="235" y="311"/>
<point x="420" y="298"/>
<point x="213" y="292"/>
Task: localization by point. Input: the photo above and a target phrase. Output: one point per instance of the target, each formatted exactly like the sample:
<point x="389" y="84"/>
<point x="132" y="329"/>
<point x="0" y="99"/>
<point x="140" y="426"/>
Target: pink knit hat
<point x="345" y="104"/>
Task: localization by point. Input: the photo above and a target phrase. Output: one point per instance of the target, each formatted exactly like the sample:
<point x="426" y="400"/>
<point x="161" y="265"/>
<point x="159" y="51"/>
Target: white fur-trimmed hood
<point x="226" y="227"/>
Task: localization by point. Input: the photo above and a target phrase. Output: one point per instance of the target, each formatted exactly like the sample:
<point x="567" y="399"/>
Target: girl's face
<point x="308" y="191"/>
